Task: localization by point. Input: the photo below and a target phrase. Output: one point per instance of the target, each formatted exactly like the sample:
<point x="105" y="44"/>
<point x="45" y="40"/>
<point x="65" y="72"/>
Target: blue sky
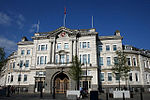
<point x="19" y="17"/>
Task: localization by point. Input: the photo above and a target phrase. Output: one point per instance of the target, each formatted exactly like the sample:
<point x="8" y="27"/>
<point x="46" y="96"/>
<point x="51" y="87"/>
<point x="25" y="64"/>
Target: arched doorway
<point x="61" y="82"/>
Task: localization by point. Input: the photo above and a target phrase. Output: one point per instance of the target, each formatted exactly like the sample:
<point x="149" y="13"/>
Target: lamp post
<point x="86" y="87"/>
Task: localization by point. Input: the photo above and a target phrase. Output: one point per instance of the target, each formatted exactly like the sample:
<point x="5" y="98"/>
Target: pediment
<point x="62" y="32"/>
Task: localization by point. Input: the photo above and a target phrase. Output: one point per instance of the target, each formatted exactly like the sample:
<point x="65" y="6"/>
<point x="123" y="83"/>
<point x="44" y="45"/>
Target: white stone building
<point x="46" y="61"/>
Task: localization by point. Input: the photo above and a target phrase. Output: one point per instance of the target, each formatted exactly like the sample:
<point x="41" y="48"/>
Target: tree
<point x="2" y="58"/>
<point x="120" y="68"/>
<point x="75" y="71"/>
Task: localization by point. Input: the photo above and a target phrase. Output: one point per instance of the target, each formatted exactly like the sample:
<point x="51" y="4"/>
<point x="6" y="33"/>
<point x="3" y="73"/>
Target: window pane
<point x="108" y="61"/>
<point x="11" y="78"/>
<point x="136" y="77"/>
<point x="22" y="52"/>
<point x="114" y="47"/>
<point x="43" y="47"/>
<point x="102" y="76"/>
<point x="84" y="58"/>
<point x="19" y="77"/>
<point x="28" y="52"/>
<point x="46" y="47"/>
<point x="67" y="59"/>
<point x="88" y="43"/>
<point x="109" y="76"/>
<point x="62" y="58"/>
<point x="130" y="76"/>
<point x="80" y="44"/>
<point x="84" y="44"/>
<point x="21" y="63"/>
<point x="107" y="48"/>
<point x="88" y="58"/>
<point x="59" y="46"/>
<point x="128" y="61"/>
<point x="45" y="59"/>
<point x="27" y="63"/>
<point x="100" y="47"/>
<point x="66" y="46"/>
<point x="134" y="61"/>
<point x="25" y="77"/>
<point x="42" y="60"/>
<point x="101" y="61"/>
<point x="37" y="60"/>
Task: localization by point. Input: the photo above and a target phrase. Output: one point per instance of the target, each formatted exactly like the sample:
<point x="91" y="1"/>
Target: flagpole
<point x="64" y="20"/>
<point x="64" y="17"/>
<point x="92" y="21"/>
<point x="38" y="26"/>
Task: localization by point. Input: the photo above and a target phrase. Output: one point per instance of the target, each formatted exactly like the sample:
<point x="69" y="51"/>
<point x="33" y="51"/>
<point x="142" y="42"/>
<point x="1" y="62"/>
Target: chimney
<point x="117" y="33"/>
<point x="36" y="34"/>
<point x="24" y="38"/>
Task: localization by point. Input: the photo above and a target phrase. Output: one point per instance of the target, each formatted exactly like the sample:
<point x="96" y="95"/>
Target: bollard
<point x="106" y="96"/>
<point x="123" y="97"/>
<point x="141" y="95"/>
<point x="93" y="95"/>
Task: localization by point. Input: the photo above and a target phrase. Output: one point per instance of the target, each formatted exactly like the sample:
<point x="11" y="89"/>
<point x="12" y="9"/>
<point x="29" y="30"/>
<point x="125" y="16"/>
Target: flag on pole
<point x="64" y="10"/>
<point x="64" y="16"/>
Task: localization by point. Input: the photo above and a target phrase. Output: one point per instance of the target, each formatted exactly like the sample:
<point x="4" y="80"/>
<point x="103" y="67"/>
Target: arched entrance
<point x="61" y="82"/>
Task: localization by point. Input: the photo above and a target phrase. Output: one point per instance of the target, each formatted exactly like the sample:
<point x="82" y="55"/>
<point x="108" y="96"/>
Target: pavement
<point x="36" y="96"/>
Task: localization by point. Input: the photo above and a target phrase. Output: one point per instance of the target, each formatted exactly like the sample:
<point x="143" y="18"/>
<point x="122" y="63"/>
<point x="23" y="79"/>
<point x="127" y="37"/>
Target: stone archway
<point x="61" y="83"/>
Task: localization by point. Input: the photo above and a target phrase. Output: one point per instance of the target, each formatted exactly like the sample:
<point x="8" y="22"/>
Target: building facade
<point x="47" y="59"/>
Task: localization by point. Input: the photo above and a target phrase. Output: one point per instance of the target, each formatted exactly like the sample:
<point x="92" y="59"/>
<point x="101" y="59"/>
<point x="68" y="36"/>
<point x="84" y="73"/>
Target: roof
<point x="25" y="43"/>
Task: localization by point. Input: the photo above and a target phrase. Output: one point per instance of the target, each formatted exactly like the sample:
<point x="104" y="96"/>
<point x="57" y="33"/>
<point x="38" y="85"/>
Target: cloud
<point x="5" y="19"/>
<point x="20" y="21"/>
<point x="8" y="45"/>
<point x="33" y="28"/>
<point x="10" y="19"/>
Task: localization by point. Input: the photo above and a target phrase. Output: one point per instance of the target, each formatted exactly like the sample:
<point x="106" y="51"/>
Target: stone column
<point x="54" y="51"/>
<point x="51" y="52"/>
